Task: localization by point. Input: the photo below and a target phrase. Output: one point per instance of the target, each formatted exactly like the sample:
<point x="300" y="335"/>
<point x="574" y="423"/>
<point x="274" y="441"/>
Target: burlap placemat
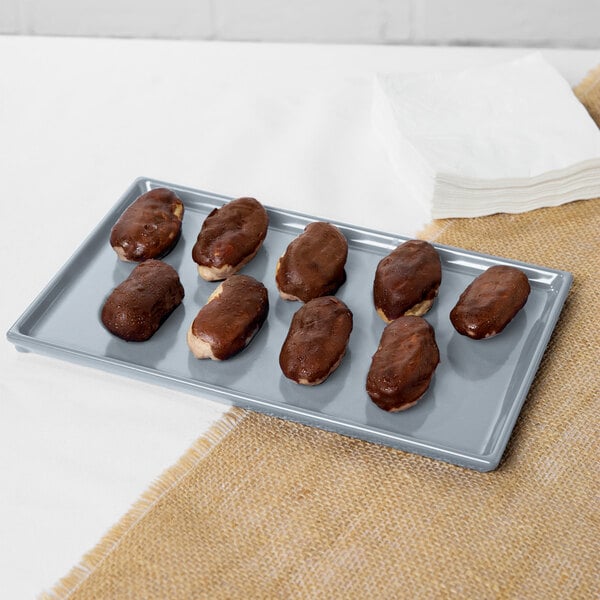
<point x="588" y="92"/>
<point x="264" y="508"/>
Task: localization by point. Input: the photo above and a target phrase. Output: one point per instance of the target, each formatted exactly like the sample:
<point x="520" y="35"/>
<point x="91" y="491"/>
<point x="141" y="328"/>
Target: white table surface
<point x="79" y="120"/>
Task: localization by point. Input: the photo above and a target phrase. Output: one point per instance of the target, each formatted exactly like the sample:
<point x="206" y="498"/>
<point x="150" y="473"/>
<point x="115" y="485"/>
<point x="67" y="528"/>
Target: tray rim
<point x="487" y="461"/>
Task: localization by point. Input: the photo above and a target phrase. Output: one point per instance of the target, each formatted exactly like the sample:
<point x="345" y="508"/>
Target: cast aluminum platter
<point x="466" y="416"/>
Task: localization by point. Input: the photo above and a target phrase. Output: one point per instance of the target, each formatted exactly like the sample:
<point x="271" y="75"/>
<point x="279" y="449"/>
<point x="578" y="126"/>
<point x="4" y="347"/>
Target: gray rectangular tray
<point x="466" y="416"/>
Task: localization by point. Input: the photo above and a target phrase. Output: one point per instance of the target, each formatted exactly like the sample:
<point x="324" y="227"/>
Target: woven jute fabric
<point x="265" y="508"/>
<point x="588" y="92"/>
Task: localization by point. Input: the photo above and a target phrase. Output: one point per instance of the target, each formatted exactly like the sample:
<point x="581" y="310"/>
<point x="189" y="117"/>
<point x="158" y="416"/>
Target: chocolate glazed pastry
<point x="490" y="302"/>
<point x="229" y="320"/>
<point x="149" y="228"/>
<point x="229" y="238"/>
<point x="316" y="341"/>
<point x="138" y="306"/>
<point x="313" y="263"/>
<point x="407" y="280"/>
<point x="403" y="365"/>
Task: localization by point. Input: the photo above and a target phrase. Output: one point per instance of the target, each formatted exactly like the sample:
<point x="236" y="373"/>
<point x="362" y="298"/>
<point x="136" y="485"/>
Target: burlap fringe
<point x="435" y="229"/>
<point x="161" y="486"/>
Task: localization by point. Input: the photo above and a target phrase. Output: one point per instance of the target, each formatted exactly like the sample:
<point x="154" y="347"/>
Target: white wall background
<point x="558" y="23"/>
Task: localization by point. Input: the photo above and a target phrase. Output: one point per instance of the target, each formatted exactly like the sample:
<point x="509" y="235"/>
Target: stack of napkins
<point x="506" y="138"/>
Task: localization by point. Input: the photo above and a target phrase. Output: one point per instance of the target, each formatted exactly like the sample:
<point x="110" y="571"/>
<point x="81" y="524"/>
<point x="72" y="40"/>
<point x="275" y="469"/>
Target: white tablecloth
<point x="79" y="120"/>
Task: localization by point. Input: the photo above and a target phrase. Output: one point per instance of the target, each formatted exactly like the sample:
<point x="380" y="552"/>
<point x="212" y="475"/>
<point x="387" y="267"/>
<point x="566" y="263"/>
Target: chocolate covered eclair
<point x="231" y="317"/>
<point x="490" y="302"/>
<point x="316" y="341"/>
<point x="149" y="227"/>
<point x="403" y="365"/>
<point x="139" y="305"/>
<point x="407" y="280"/>
<point x="229" y="238"/>
<point x="313" y="263"/>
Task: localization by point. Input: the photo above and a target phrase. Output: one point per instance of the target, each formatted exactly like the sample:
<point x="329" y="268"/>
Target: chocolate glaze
<point x="230" y="320"/>
<point x="231" y="234"/>
<point x="404" y="363"/>
<point x="149" y="227"/>
<point x="490" y="302"/>
<point x="138" y="306"/>
<point x="313" y="263"/>
<point x="408" y="276"/>
<point x="316" y="341"/>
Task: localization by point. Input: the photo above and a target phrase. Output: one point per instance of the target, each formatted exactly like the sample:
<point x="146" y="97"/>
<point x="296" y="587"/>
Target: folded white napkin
<point x="506" y="138"/>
